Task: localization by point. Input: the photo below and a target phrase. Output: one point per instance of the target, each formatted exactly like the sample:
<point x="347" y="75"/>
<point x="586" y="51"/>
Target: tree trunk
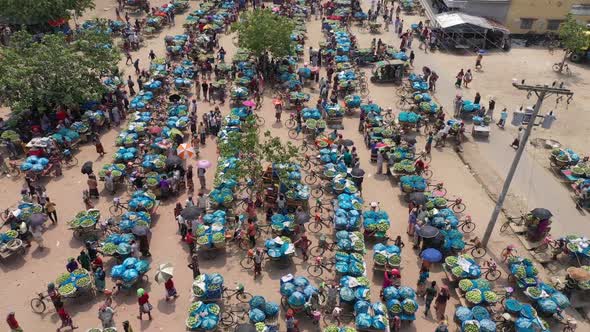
<point x="565" y="54"/>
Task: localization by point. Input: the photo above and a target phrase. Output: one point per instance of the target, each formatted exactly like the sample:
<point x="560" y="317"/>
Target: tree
<point x="573" y="37"/>
<point x="263" y="31"/>
<point x="54" y="72"/>
<point x="35" y="12"/>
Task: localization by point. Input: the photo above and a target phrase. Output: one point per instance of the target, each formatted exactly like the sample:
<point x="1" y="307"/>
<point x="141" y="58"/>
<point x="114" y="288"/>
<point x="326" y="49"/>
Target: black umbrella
<point x="173" y="161"/>
<point x="245" y="328"/>
<point x="418" y="198"/>
<point x="428" y="232"/>
<point x="347" y="142"/>
<point x="191" y="212"/>
<point x="410" y="139"/>
<point x="541" y="213"/>
<point x="140" y="230"/>
<point x="174" y="98"/>
<point x="37" y="219"/>
<point x="357" y="172"/>
<point x="87" y="168"/>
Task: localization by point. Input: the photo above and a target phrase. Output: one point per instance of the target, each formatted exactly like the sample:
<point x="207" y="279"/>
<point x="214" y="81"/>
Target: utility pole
<point x="542" y="92"/>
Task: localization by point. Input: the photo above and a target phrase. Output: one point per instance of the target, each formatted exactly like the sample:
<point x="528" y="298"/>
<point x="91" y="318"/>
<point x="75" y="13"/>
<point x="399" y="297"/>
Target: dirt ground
<point x="23" y="277"/>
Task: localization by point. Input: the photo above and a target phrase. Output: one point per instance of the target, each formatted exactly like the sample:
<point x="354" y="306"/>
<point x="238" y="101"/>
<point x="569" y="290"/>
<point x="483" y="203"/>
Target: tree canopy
<point x="31" y="12"/>
<point x="573" y="34"/>
<point x="263" y="31"/>
<point x="54" y="72"/>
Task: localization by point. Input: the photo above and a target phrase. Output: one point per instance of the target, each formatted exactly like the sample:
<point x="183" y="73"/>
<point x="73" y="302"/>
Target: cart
<point x="374" y="27"/>
<point x="480" y="131"/>
<point x="12" y="247"/>
<point x="210" y="252"/>
<point x="388" y="72"/>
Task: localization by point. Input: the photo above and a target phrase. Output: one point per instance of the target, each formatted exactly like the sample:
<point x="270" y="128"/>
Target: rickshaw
<point x="388" y="72"/>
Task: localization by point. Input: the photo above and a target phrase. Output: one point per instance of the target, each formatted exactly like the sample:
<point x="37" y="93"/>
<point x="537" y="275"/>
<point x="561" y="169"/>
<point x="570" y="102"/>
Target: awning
<point x="458" y="21"/>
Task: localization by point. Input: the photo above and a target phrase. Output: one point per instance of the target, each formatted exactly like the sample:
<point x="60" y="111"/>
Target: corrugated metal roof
<point x="447" y="20"/>
<point x="581" y="10"/>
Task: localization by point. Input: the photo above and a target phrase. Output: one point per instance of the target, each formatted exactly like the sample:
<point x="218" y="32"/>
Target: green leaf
<point x="255" y="35"/>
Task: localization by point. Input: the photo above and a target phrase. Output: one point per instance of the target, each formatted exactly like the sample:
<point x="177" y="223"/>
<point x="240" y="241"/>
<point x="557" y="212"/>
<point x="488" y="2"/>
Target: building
<point x="492" y="9"/>
<point x="542" y="16"/>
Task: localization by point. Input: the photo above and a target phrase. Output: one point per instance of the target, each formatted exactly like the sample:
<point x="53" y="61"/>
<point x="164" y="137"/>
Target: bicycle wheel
<point x="306" y="165"/>
<point x="503" y="228"/>
<point x="427" y="174"/>
<point x="315" y="270"/>
<point x="116" y="210"/>
<point x="468" y="227"/>
<point x="364" y="92"/>
<point x="260" y="120"/>
<point x="303" y="148"/>
<point x="314" y="227"/>
<point x="317" y="251"/>
<point x="38" y="305"/>
<point x="247" y="263"/>
<point x="317" y="209"/>
<point x="317" y="192"/>
<point x="244" y="297"/>
<point x="426" y="157"/>
<point x="73" y="162"/>
<point x="227" y="319"/>
<point x="293" y="133"/>
<point x="459" y="207"/>
<point x="557" y="67"/>
<point x="290" y="123"/>
<point x="478" y="252"/>
<point x="541" y="248"/>
<point x="493" y="275"/>
<point x="244" y="245"/>
<point x="311" y="179"/>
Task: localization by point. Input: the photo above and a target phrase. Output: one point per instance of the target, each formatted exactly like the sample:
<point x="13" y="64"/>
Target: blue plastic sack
<point x="129" y="262"/>
<point x="287" y="289"/>
<point x="142" y="266"/>
<point x="407" y="292"/>
<point x="346" y="294"/>
<point x="209" y="322"/>
<point x="271" y="309"/>
<point x="301" y="282"/>
<point x="524" y="325"/>
<point x="361" y="307"/>
<point x="257" y="302"/>
<point x="378" y="308"/>
<point x="363" y="321"/>
<point x="480" y="313"/>
<point x="561" y="300"/>
<point x="547" y="305"/>
<point x="309" y="291"/>
<point x="256" y="315"/>
<point x="117" y="271"/>
<point x="390" y="292"/>
<point x="215" y="278"/>
<point x="487" y="325"/>
<point x="379" y="322"/>
<point x="130" y="275"/>
<point x="463" y="314"/>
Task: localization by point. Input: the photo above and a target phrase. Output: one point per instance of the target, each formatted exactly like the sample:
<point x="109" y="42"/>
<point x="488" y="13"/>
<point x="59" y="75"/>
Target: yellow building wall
<point x="541" y="10"/>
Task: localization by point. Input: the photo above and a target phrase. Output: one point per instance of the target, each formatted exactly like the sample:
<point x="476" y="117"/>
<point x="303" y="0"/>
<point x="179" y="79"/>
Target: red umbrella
<point x="155" y="130"/>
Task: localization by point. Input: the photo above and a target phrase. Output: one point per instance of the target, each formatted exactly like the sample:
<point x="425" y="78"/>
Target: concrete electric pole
<point x="542" y="92"/>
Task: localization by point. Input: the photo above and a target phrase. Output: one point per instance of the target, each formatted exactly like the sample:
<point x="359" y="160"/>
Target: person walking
<point x="503" y="117"/>
<point x="467" y="78"/>
<point x="106" y="315"/>
<point x="430" y="294"/>
<point x="170" y="289"/>
<point x="303" y="243"/>
<point x="136" y="66"/>
<point x="66" y="320"/>
<point x="258" y="255"/>
<point x="459" y="78"/>
<point x="201" y="174"/>
<point x="131" y="85"/>
<point x="422" y="280"/>
<point x="92" y="186"/>
<point x="145" y="307"/>
<point x="98" y="145"/>
<point x="84" y="260"/>
<point x="457" y="105"/>
<point x="127" y="327"/>
<point x="205" y="87"/>
<point x="440" y="303"/>
<point x="478" y="65"/>
<point x="412" y="222"/>
<point x="380" y="159"/>
<point x="428" y="146"/>
<point x="477" y="98"/>
<point x="13" y="323"/>
<point x="194" y="265"/>
<point x="516" y="143"/>
<point x="491" y="107"/>
<point x="252" y="232"/>
<point x="36" y="232"/>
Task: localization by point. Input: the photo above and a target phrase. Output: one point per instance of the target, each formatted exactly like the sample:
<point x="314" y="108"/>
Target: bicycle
<point x="317" y="224"/>
<point x="548" y="243"/>
<point x="490" y="270"/>
<point x="466" y="225"/>
<point x="68" y="159"/>
<point x="561" y="68"/>
<point x="294" y="133"/>
<point x="291" y="122"/>
<point x="118" y="207"/>
<point x="456" y="205"/>
<point x="259" y="120"/>
<point x="309" y="162"/>
<point x="317" y="269"/>
<point x="239" y="293"/>
<point x="322" y="246"/>
<point x="508" y="252"/>
<point x="337" y="316"/>
<point x="4" y="215"/>
<point x="475" y="247"/>
<point x="405" y="102"/>
<point x="319" y="191"/>
<point x="516" y="221"/>
<point x="38" y="304"/>
<point x="437" y="189"/>
<point x="424" y="156"/>
<point x="426" y="172"/>
<point x="311" y="178"/>
<point x="14" y="168"/>
<point x="319" y="206"/>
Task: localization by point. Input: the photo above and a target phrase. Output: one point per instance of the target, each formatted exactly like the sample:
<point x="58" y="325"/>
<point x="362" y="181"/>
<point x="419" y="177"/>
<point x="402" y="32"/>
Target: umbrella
<point x="191" y="212"/>
<point x="249" y="103"/>
<point x="541" y="213"/>
<point x="87" y="168"/>
<point x="410" y="140"/>
<point x="335" y="126"/>
<point x="418" y="198"/>
<point x="174" y="132"/>
<point x="173" y="161"/>
<point x="428" y="232"/>
<point x="174" y="98"/>
<point x="164" y="273"/>
<point x="185" y="151"/>
<point x="203" y="163"/>
<point x="347" y="142"/>
<point x="431" y="255"/>
<point x="37" y="219"/>
<point x="140" y="230"/>
<point x="155" y="130"/>
<point x="357" y="172"/>
<point x="380" y="145"/>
